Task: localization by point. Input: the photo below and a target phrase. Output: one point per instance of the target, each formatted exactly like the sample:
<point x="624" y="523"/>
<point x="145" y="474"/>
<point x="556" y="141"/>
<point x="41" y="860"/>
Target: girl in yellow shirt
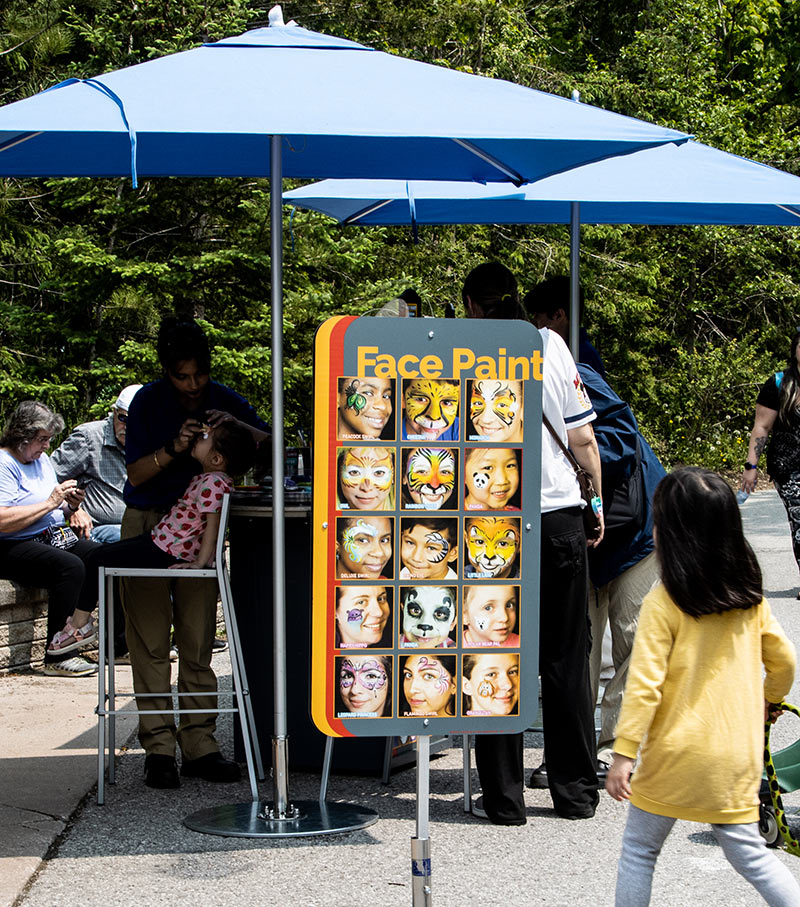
<point x="694" y="702"/>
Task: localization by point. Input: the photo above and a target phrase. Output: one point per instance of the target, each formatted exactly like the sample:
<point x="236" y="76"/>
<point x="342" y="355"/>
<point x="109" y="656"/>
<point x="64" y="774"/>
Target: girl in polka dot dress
<point x="186" y="538"/>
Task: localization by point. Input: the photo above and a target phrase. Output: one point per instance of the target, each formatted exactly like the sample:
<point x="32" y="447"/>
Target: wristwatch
<point x="749" y="465"/>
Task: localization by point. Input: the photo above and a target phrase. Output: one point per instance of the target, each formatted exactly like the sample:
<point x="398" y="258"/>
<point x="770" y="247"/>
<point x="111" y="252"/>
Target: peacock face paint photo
<point x="429" y="477"/>
<point x="365" y="408"/>
<point x="430" y="409"/>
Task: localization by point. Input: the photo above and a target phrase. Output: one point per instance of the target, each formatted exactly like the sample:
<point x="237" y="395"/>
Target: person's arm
<point x="583" y="445"/>
<point x="618" y="780"/>
<point x="217" y="417"/>
<point x="81" y="523"/>
<point x="764" y="421"/>
<point x="150" y="464"/>
<point x="208" y="547"/>
<point x="20" y="516"/>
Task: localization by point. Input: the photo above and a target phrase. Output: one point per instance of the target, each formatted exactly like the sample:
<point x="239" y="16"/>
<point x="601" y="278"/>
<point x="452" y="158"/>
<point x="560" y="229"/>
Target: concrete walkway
<point x="59" y="849"/>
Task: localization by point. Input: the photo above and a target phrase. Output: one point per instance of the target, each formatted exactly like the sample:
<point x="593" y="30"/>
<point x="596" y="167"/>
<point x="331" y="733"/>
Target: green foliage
<point x="689" y="320"/>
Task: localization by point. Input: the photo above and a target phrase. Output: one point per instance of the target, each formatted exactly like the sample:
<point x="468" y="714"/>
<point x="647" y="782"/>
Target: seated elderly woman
<point x="37" y="547"/>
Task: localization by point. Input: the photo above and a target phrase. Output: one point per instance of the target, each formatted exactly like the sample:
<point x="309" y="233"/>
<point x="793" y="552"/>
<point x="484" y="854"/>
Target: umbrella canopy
<point x="344" y="110"/>
<point x="673" y="184"/>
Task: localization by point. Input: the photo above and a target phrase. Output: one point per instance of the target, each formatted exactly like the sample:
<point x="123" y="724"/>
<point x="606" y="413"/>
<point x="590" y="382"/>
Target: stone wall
<point x="23" y="626"/>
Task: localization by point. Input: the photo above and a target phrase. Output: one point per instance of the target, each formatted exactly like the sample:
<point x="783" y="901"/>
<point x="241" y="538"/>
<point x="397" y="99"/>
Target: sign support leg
<point x="421" y="843"/>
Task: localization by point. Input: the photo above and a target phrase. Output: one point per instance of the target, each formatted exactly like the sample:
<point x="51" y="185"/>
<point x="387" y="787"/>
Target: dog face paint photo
<point x="364" y="685"/>
<point x="429" y="684"/>
<point x="365" y="408"/>
<point x="492" y="546"/>
<point x="491" y="477"/>
<point x="364" y="547"/>
<point x="429" y="478"/>
<point x="428" y="548"/>
<point x="366" y="478"/>
<point x="429" y="617"/>
<point x="362" y="613"/>
<point x="491" y="684"/>
<point x="490" y="615"/>
<point x="430" y="410"/>
<point x="495" y="410"/>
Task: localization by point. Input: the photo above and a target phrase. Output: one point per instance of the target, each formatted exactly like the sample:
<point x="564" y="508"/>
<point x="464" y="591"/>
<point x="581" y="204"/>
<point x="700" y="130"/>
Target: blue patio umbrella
<point x="284" y="101"/>
<point x="672" y="184"/>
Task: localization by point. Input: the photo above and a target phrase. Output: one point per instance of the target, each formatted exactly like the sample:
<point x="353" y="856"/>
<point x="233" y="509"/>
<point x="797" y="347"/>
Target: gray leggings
<point x="743" y="846"/>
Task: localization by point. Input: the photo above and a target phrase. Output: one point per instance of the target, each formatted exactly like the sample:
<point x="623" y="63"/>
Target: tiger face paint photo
<point x="430" y="409"/>
<point x="365" y="408"/>
<point x="429" y="478"/>
<point x="492" y="547"/>
<point x="366" y="478"/>
<point x="495" y="410"/>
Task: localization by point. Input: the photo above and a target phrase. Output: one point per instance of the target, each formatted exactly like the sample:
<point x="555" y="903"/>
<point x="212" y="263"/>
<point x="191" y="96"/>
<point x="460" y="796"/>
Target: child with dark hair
<point x="429" y="547"/>
<point x="696" y="697"/>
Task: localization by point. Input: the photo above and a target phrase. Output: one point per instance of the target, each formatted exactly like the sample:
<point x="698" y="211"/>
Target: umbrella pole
<point x="281" y="818"/>
<point x="574" y="277"/>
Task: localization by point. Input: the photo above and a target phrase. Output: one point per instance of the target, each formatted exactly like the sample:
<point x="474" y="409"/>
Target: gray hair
<point x="27" y="420"/>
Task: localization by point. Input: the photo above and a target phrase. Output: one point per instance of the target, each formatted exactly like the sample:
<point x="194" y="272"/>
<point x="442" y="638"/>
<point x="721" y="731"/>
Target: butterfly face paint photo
<point x="366" y="478"/>
<point x="495" y="410"/>
<point x="429" y="684"/>
<point x="365" y="408"/>
<point x="429" y="479"/>
<point x="428" y="547"/>
<point x="492" y="546"/>
<point x="363" y="683"/>
<point x="492" y="478"/>
<point x="490" y="615"/>
<point x="429" y="617"/>
<point x="491" y="684"/>
<point x="430" y="409"/>
<point x="362" y="615"/>
<point x="364" y="547"/>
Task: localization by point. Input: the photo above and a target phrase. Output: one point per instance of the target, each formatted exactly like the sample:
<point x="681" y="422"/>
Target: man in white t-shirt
<point x="490" y="291"/>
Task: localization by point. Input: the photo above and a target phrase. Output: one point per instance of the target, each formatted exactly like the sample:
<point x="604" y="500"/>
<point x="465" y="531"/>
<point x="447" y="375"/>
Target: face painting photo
<point x="364" y="547"/>
<point x="365" y="407"/>
<point x="492" y="546"/>
<point x="366" y="478"/>
<point x="429" y="478"/>
<point x="429" y="617"/>
<point x="491" y="684"/>
<point x="429" y="685"/>
<point x="430" y="410"/>
<point x="495" y="410"/>
<point x="364" y="683"/>
<point x="490" y="615"/>
<point x="428" y="548"/>
<point x="362" y="614"/>
<point x="492" y="478"/>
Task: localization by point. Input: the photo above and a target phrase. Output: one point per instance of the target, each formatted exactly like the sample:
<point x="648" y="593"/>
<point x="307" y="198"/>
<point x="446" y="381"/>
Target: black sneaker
<point x="538" y="778"/>
<point x="211" y="767"/>
<point x="219" y="645"/>
<point x="161" y="772"/>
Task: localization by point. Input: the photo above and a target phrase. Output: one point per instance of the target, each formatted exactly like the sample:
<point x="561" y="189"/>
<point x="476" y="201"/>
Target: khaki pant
<point x="152" y="606"/>
<point x="617" y="603"/>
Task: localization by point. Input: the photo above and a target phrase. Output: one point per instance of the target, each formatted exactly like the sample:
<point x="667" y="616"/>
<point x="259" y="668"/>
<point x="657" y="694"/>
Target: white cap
<point x="127" y="394"/>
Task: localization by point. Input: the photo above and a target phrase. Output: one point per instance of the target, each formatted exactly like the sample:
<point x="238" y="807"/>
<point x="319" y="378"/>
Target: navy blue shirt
<point x="618" y="438"/>
<point x="155" y="417"/>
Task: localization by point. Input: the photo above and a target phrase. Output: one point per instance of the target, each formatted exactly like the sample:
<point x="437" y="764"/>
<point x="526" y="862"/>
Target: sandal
<point x="70" y="638"/>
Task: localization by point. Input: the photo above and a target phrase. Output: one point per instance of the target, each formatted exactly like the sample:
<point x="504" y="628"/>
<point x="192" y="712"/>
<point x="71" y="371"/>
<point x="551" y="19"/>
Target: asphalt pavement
<point x="58" y="848"/>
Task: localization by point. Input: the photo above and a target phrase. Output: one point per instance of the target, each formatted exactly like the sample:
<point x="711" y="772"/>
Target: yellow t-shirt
<point x="693" y="708"/>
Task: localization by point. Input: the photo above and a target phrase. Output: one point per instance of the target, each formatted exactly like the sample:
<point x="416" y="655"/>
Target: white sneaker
<point x="70" y="667"/>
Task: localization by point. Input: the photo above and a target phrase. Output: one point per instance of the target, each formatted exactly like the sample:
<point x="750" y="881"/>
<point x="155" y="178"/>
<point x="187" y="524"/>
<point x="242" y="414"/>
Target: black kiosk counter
<point x="250" y="535"/>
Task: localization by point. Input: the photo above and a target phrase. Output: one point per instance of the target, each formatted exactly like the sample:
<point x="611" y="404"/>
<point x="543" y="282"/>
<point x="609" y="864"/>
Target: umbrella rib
<point x="365" y="212"/>
<point x="515" y="177"/>
<point x="12" y="143"/>
<point x="790" y="209"/>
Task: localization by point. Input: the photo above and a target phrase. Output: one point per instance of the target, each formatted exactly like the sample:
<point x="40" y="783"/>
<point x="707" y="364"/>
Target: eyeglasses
<point x="123" y="417"/>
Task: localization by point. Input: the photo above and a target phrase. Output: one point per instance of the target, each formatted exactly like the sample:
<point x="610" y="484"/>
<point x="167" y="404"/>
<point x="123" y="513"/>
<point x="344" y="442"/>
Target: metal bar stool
<point x="106" y="687"/>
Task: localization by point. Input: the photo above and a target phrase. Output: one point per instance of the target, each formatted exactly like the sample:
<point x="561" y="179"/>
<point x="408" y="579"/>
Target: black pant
<point x="564" y="643"/>
<point x="31" y="563"/>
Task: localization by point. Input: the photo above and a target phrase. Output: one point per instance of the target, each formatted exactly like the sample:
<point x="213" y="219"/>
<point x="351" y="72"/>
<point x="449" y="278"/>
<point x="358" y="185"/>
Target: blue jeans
<point x="107" y="534"/>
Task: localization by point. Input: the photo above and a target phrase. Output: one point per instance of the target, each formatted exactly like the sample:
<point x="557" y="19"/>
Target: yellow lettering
<point x="431" y="367"/>
<point x="537" y="361"/>
<point x="462" y="360"/>
<point x="485" y="367"/>
<point x="501" y="358"/>
<point x="404" y="367"/>
<point x="523" y="363"/>
<point x="385" y="367"/>
<point x="364" y="361"/>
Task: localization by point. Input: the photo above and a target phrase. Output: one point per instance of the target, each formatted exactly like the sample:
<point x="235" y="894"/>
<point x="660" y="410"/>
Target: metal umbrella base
<point x="251" y="820"/>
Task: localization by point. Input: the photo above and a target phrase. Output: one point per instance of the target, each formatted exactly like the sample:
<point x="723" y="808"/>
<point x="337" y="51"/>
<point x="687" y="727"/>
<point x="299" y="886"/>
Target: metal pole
<point x="281" y="807"/>
<point x="421" y="844"/>
<point x="574" y="277"/>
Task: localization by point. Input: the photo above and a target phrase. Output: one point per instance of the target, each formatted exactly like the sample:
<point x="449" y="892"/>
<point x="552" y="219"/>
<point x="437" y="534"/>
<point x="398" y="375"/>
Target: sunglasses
<point x="123" y="417"/>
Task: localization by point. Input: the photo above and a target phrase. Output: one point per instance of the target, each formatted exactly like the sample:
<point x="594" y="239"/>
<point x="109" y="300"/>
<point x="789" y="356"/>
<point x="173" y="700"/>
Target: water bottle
<point x="742" y="496"/>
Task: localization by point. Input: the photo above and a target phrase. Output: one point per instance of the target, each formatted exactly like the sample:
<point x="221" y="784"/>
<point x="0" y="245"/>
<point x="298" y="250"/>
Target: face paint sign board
<point x="427" y="448"/>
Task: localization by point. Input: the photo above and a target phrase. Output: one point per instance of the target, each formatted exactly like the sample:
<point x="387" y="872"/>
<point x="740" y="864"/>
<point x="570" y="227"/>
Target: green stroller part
<point x="782" y="775"/>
